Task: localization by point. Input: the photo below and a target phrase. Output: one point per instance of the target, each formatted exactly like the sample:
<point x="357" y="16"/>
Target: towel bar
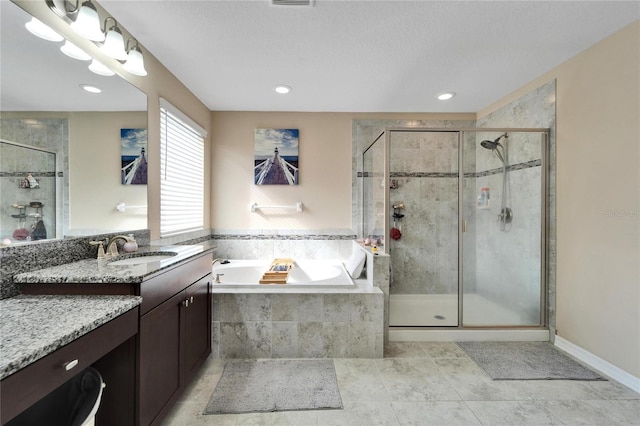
<point x="298" y="207"/>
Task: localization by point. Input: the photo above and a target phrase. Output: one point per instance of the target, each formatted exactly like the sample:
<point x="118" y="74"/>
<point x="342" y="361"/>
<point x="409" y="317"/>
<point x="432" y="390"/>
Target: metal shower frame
<point x="545" y="135"/>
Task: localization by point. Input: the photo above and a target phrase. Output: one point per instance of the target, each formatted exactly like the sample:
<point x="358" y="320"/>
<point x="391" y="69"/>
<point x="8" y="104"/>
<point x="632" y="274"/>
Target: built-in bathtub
<point x="305" y="274"/>
<point x="320" y="312"/>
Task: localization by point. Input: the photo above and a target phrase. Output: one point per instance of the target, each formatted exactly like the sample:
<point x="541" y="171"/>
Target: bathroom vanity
<point x="48" y="340"/>
<point x="174" y="336"/>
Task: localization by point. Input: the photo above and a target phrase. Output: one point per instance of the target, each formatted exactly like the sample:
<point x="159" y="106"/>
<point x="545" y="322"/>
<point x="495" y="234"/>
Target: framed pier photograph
<point x="276" y="157"/>
<point x="133" y="143"/>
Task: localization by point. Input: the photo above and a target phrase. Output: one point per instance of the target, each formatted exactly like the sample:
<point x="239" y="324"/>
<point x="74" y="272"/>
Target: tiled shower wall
<point x="536" y="109"/>
<point x="425" y="167"/>
<point x="48" y="134"/>
<point x="422" y="260"/>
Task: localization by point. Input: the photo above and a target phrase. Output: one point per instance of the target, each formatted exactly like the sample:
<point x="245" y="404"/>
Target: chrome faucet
<point x="112" y="247"/>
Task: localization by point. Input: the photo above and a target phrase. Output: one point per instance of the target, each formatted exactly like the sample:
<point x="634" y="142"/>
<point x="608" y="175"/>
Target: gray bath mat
<point x="526" y="361"/>
<point x="275" y="385"/>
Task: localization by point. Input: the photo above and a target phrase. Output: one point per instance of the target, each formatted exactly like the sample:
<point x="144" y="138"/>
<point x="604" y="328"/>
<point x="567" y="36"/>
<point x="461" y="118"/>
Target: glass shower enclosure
<point x="28" y="193"/>
<point x="461" y="212"/>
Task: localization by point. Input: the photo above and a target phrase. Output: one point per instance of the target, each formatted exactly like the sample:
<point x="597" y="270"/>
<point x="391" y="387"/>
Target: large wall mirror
<point x="63" y="149"/>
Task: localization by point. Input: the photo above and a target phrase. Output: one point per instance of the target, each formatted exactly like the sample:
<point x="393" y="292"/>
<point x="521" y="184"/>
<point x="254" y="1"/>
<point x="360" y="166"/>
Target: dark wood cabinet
<point x="109" y="348"/>
<point x="197" y="328"/>
<point x="174" y="341"/>
<point x="159" y="358"/>
<point x="174" y="336"/>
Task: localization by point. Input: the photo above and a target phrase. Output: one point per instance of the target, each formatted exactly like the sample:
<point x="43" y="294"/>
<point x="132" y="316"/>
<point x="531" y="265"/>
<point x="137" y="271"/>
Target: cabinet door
<point x="159" y="357"/>
<point x="197" y="327"/>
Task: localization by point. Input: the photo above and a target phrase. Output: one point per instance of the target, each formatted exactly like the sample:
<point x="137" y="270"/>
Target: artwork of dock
<point x="276" y="171"/>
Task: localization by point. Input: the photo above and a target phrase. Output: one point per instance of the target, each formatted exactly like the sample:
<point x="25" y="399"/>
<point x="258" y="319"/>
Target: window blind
<point x="181" y="172"/>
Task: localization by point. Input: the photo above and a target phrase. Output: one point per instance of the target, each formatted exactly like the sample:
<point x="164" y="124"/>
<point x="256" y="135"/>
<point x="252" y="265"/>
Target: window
<point x="181" y="172"/>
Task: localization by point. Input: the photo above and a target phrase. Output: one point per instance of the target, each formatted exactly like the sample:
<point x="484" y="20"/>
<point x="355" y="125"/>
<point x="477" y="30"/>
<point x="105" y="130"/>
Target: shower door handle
<point x="464" y="226"/>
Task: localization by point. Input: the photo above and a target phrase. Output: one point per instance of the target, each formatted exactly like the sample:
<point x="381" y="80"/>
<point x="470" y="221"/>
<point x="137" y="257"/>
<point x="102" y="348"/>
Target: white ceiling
<point x="358" y="56"/>
<point x="36" y="76"/>
<point x="383" y="56"/>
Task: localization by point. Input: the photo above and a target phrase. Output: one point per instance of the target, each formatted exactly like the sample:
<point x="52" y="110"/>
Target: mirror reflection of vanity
<point x="67" y="140"/>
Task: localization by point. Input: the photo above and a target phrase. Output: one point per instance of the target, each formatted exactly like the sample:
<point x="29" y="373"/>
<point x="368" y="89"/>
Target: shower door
<point x="502" y="242"/>
<point x="423" y="236"/>
<point x="464" y="224"/>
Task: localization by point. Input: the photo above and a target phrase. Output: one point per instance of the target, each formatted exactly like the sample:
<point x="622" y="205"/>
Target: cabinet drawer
<point x="156" y="290"/>
<point x="28" y="385"/>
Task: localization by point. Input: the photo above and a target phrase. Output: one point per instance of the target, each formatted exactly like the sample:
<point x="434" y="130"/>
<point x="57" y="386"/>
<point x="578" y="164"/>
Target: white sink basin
<point x="142" y="259"/>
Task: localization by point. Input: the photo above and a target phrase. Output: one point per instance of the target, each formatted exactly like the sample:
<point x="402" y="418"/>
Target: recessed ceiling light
<point x="282" y="89"/>
<point x="445" y="96"/>
<point x="91" y="89"/>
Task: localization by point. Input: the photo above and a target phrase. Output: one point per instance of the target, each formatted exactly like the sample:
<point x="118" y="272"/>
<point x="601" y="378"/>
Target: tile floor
<point x="430" y="384"/>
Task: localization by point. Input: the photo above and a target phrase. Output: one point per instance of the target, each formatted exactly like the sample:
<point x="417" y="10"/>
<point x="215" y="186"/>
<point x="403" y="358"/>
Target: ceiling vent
<point x="308" y="3"/>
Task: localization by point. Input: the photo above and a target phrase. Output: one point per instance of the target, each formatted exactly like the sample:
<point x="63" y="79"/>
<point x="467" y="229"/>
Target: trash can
<point x="75" y="403"/>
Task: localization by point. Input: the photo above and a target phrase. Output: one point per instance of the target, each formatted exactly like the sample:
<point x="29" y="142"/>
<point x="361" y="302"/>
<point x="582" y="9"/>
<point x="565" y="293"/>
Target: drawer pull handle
<point x="186" y="303"/>
<point x="191" y="300"/>
<point x="69" y="365"/>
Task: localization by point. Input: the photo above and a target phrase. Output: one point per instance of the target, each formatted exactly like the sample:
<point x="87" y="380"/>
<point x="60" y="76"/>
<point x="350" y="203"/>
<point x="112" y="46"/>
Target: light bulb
<point x="37" y="28"/>
<point x="100" y="69"/>
<point x="73" y="51"/>
<point x="87" y="24"/>
<point x="114" y="44"/>
<point x="135" y="62"/>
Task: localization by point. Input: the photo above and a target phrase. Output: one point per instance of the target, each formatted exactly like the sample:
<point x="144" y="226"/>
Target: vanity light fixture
<point x="135" y="61"/>
<point x="85" y="20"/>
<point x="37" y="28"/>
<point x="87" y="23"/>
<point x="282" y="89"/>
<point x="73" y="51"/>
<point x="445" y="96"/>
<point x="114" y="43"/>
<point x="100" y="69"/>
<point x="91" y="89"/>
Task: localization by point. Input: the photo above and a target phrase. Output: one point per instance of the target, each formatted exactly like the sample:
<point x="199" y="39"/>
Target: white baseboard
<point x="599" y="364"/>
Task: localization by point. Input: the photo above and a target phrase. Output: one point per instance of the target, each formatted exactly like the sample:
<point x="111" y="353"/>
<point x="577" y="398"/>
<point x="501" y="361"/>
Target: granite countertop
<point x="32" y="327"/>
<point x="101" y="271"/>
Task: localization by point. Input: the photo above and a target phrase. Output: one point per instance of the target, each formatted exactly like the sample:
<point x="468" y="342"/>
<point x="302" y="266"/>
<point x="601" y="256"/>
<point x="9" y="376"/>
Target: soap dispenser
<point x="131" y="245"/>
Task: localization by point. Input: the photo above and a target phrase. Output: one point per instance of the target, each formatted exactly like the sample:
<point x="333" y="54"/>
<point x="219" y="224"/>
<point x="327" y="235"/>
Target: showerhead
<point x="493" y="146"/>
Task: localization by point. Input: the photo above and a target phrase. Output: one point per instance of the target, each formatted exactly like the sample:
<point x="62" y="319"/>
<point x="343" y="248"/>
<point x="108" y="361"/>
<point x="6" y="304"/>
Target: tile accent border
<point x="283" y="237"/>
<point x="510" y="168"/>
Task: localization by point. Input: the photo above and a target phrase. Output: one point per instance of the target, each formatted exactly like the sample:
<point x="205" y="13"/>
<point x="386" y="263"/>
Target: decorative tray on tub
<point x="278" y="271"/>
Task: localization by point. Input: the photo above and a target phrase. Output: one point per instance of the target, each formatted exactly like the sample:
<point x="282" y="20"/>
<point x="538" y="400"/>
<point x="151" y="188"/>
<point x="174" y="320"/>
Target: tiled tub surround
<point x="315" y="323"/>
<point x="16" y="259"/>
<point x="327" y="323"/>
<point x="35" y="326"/>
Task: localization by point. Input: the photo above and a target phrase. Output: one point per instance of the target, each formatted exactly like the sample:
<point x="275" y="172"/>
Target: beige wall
<point x="94" y="178"/>
<point x="158" y="83"/>
<point x="598" y="197"/>
<point x="325" y="169"/>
